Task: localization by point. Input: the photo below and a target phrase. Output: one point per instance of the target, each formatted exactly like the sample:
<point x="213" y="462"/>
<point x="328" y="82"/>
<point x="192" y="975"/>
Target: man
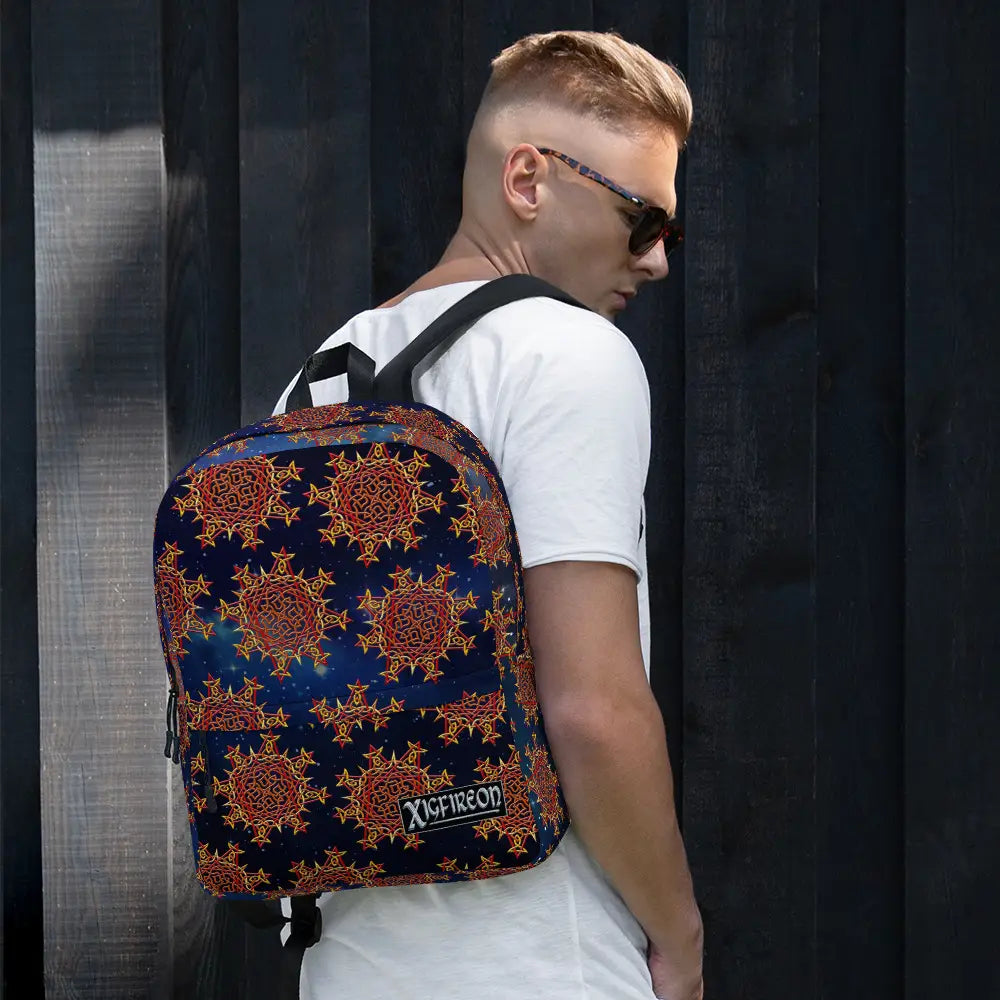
<point x="570" y="166"/>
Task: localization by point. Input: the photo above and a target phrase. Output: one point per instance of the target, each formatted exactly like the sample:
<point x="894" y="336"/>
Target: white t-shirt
<point x="559" y="397"/>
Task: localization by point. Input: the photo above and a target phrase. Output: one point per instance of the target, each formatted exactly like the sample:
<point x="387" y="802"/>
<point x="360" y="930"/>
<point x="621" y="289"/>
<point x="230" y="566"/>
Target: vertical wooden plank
<point x="20" y="816"/>
<point x="201" y="152"/>
<point x="208" y="949"/>
<point x="749" y="580"/>
<point x="655" y="324"/>
<point x="859" y="497"/>
<point x="487" y="29"/>
<point x="305" y="144"/>
<point x="99" y="292"/>
<point x="952" y="148"/>
<point x="417" y="142"/>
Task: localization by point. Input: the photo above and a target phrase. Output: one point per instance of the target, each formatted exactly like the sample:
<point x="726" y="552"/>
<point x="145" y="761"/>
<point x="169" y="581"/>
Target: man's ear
<point x="524" y="169"/>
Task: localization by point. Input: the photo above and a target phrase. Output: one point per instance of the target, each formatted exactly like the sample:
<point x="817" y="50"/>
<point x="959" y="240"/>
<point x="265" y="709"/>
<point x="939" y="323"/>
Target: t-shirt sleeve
<point x="576" y="446"/>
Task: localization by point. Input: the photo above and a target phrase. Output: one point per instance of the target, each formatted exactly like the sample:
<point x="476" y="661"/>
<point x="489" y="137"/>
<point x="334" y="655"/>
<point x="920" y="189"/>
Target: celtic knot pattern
<point x="502" y="622"/>
<point x="223" y="710"/>
<point x="283" y="615"/>
<point x="373" y="795"/>
<point x="267" y="789"/>
<point x="472" y="711"/>
<point x="527" y="696"/>
<point x="416" y="623"/>
<point x="238" y="497"/>
<point x="222" y="873"/>
<point x="545" y="784"/>
<point x="518" y="825"/>
<point x="333" y="872"/>
<point x="356" y="711"/>
<point x="375" y="500"/>
<point x="486" y="521"/>
<point x="313" y="417"/>
<point x="177" y="598"/>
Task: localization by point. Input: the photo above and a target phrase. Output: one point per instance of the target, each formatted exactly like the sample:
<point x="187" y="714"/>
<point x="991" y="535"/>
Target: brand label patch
<point x="452" y="807"/>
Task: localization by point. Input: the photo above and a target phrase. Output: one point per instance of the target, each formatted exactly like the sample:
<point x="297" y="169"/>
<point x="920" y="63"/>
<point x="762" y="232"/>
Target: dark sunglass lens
<point x="652" y="225"/>
<point x="647" y="230"/>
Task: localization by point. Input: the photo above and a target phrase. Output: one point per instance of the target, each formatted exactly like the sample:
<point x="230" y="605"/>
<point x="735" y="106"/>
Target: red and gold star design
<point x="314" y="417"/>
<point x="472" y="711"/>
<point x="519" y="824"/>
<point x="283" y="615"/>
<point x="502" y="622"/>
<point x="332" y="436"/>
<point x="527" y="696"/>
<point x="485" y="869"/>
<point x="238" y="497"/>
<point x="333" y="873"/>
<point x="373" y="795"/>
<point x="178" y="599"/>
<point x="427" y="442"/>
<point x="223" y="710"/>
<point x="415" y="624"/>
<point x="222" y="873"/>
<point x="230" y="447"/>
<point x="356" y="711"/>
<point x="375" y="500"/>
<point x="544" y="782"/>
<point x="487" y="522"/>
<point x="420" y="420"/>
<point x="267" y="789"/>
<point x="421" y="879"/>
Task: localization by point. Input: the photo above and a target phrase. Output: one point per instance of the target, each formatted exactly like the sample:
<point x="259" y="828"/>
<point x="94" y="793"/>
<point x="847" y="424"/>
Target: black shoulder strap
<point x="306" y="926"/>
<point x="395" y="381"/>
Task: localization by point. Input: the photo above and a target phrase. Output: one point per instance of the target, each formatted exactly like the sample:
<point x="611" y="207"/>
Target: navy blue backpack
<point x="340" y="600"/>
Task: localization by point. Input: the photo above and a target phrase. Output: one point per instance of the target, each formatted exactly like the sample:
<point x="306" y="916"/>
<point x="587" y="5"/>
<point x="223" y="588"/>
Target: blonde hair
<point x="595" y="73"/>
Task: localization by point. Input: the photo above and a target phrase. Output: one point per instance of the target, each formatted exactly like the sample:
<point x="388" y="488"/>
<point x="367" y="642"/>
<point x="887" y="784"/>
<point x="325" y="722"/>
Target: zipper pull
<point x="177" y="730"/>
<point x="210" y="802"/>
<point x="171" y="715"/>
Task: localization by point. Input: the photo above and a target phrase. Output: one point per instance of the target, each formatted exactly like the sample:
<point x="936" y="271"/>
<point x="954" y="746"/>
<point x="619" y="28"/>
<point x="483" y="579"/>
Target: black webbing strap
<point x="334" y="361"/>
<point x="306" y="929"/>
<point x="395" y="381"/>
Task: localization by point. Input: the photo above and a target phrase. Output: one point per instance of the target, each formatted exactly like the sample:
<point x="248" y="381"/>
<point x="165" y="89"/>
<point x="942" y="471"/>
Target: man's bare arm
<point x="608" y="741"/>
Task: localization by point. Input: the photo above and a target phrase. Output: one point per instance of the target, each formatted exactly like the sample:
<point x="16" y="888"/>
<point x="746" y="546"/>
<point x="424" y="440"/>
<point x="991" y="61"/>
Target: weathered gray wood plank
<point x="99" y="225"/>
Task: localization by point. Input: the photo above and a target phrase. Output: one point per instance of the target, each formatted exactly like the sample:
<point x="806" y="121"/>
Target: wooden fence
<point x="194" y="194"/>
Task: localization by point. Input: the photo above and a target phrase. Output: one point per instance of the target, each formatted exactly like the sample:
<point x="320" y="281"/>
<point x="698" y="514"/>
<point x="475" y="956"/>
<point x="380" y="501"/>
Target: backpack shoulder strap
<point x="395" y="380"/>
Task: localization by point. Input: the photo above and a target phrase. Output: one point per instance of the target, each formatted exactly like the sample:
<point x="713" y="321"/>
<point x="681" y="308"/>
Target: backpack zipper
<point x="172" y="748"/>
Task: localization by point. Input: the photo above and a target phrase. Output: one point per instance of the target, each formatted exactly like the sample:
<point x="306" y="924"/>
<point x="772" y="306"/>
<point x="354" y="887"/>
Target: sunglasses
<point x="651" y="225"/>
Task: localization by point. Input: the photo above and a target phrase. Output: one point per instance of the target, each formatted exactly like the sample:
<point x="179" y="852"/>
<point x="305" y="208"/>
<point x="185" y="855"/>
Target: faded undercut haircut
<point x="595" y="73"/>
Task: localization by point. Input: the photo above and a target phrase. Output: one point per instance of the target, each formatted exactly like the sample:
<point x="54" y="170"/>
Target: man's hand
<point x="667" y="983"/>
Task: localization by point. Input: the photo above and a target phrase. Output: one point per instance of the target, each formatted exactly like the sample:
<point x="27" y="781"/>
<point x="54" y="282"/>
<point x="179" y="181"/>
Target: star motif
<point x="282" y="615"/>
<point x="415" y="624"/>
<point x="354" y="713"/>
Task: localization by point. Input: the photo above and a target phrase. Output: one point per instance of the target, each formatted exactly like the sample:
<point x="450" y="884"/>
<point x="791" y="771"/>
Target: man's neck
<point x="463" y="260"/>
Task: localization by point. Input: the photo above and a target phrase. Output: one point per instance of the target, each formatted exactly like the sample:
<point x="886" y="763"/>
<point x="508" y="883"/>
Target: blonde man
<point x="569" y="177"/>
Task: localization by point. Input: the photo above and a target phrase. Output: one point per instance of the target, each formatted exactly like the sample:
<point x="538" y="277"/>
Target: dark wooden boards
<point x="952" y="531"/>
<point x="749" y="537"/>
<point x="306" y="159"/>
<point x="21" y="917"/>
<point x="858" y="499"/>
<point x="100" y="294"/>
<point x="418" y="145"/>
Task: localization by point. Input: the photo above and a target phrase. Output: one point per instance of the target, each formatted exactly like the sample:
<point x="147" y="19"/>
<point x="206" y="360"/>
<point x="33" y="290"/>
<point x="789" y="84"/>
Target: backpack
<point x="340" y="601"/>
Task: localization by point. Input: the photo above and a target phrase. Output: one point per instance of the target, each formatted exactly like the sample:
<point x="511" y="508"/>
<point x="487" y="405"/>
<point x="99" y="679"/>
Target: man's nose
<point x="654" y="261"/>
